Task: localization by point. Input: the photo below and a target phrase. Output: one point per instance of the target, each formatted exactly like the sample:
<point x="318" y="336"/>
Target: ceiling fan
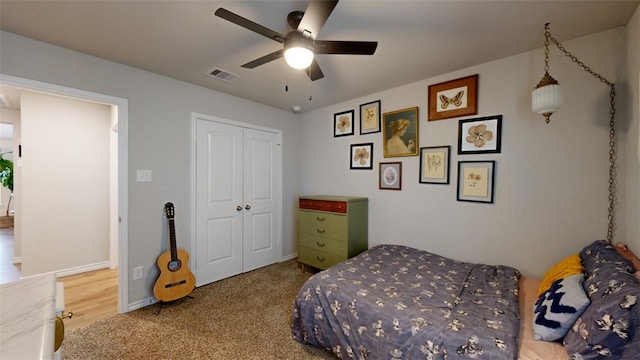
<point x="300" y="44"/>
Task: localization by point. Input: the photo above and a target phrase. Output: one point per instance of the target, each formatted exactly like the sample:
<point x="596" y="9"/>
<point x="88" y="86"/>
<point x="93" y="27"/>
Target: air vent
<point x="223" y="75"/>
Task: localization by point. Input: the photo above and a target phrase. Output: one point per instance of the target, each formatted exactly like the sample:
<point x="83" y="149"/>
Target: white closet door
<point x="219" y="159"/>
<point x="238" y="199"/>
<point x="262" y="184"/>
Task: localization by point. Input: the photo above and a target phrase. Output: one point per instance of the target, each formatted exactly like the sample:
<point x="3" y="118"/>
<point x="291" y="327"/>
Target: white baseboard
<point x="141" y="303"/>
<point x="83" y="269"/>
<point x="289" y="257"/>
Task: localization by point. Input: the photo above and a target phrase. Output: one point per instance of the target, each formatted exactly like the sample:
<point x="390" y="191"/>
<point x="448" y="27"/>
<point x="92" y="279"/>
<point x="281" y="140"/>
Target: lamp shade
<point x="298" y="57"/>
<point x="547" y="99"/>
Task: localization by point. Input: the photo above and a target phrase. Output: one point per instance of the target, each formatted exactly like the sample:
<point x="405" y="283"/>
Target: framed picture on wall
<point x="390" y="176"/>
<point x="453" y="98"/>
<point x="343" y="123"/>
<point x="480" y="135"/>
<point x="400" y="133"/>
<point x="370" y="117"/>
<point x="434" y="164"/>
<point x="361" y="156"/>
<point x="476" y="181"/>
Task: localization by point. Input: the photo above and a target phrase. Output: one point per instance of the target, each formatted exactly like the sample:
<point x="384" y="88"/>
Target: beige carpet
<point x="244" y="317"/>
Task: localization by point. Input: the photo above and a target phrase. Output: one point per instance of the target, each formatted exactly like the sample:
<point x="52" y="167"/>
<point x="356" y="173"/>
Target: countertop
<point x="27" y="313"/>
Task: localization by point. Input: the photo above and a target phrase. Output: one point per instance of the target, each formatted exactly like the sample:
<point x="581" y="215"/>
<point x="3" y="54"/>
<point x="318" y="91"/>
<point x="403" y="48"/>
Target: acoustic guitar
<point x="175" y="280"/>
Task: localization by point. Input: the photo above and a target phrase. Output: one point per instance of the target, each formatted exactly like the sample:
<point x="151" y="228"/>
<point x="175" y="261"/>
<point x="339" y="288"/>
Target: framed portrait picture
<point x="361" y="156"/>
<point x="400" y="133"/>
<point x="390" y="176"/>
<point x="434" y="164"/>
<point x="343" y="123"/>
<point x="370" y="117"/>
<point x="480" y="135"/>
<point x="453" y="98"/>
<point x="476" y="180"/>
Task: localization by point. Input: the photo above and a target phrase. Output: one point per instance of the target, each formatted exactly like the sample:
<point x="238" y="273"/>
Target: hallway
<point x="8" y="271"/>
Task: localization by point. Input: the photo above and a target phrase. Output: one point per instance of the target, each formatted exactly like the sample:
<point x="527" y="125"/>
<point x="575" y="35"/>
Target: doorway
<point x="118" y="214"/>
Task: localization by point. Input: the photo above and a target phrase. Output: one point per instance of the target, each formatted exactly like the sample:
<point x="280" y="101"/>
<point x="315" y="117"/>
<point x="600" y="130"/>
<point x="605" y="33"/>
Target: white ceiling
<point x="416" y="39"/>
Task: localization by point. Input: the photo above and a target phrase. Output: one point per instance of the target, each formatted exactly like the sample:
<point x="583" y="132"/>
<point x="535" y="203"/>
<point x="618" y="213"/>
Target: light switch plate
<point x="143" y="176"/>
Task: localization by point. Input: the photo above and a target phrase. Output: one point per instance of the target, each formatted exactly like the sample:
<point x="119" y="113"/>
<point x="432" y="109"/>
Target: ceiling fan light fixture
<point x="298" y="51"/>
<point x="298" y="57"/>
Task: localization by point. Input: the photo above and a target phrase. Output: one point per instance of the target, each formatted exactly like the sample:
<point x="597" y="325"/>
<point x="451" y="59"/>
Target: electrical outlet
<point x="137" y="273"/>
<point x="143" y="176"/>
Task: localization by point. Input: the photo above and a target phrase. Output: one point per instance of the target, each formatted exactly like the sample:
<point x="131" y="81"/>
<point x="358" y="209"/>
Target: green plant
<point x="6" y="178"/>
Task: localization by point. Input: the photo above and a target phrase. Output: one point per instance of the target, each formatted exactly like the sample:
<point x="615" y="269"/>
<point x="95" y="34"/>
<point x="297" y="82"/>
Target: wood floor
<point x="90" y="296"/>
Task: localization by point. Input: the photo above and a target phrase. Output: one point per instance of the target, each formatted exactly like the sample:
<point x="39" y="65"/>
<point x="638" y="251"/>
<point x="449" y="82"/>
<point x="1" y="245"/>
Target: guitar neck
<point x="172" y="240"/>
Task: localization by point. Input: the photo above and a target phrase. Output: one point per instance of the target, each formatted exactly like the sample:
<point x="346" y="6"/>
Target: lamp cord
<point x="612" y="132"/>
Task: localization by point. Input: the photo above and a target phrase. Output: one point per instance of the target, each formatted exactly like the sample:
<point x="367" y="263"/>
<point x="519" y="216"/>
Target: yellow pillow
<point x="570" y="265"/>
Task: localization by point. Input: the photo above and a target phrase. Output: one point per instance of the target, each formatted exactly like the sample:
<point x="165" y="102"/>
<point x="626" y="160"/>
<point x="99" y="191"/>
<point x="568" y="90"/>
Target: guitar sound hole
<point x="174" y="265"/>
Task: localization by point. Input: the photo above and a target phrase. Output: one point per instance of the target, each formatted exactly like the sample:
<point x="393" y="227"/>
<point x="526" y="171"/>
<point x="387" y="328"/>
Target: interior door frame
<point x="123" y="139"/>
<point x="194" y="120"/>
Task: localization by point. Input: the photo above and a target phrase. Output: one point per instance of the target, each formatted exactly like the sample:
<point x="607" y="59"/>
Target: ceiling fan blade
<point x="263" y="60"/>
<point x="248" y="24"/>
<point x="345" y="47"/>
<point x="314" y="71"/>
<point x="315" y="16"/>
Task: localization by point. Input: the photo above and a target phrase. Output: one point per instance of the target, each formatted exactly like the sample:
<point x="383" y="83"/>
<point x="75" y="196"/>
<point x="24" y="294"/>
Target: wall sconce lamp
<point x="298" y="50"/>
<point x="547" y="98"/>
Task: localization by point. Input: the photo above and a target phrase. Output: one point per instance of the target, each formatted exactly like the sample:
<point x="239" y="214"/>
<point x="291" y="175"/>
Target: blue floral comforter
<point x="396" y="302"/>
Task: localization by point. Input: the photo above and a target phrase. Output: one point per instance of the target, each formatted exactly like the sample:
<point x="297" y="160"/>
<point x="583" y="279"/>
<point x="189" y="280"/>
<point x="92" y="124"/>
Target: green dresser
<point x="331" y="229"/>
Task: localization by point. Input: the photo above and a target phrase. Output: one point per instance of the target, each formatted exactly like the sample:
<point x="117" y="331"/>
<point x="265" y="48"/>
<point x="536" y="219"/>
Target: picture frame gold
<point x="476" y="181"/>
<point x="400" y="133"/>
<point x="453" y="98"/>
<point x="390" y="176"/>
<point x="370" y="117"/>
<point x="435" y="165"/>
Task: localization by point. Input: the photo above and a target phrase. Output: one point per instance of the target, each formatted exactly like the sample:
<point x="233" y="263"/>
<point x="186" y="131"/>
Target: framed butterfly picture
<point x="453" y="98"/>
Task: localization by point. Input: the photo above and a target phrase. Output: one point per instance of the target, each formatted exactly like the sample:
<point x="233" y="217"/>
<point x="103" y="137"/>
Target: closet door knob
<point x="239" y="208"/>
<point x="248" y="207"/>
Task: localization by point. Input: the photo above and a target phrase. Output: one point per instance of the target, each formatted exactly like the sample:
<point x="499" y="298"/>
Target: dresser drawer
<point x="323" y="224"/>
<point x="324" y="205"/>
<point x="328" y="245"/>
<point x="318" y="259"/>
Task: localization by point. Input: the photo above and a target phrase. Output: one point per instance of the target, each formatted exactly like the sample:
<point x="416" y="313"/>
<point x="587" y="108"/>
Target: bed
<point x="397" y="302"/>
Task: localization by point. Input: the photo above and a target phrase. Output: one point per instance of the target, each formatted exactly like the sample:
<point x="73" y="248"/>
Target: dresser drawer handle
<point x="320" y="244"/>
<point x="319" y="218"/>
<point x="320" y="231"/>
<point x="319" y="258"/>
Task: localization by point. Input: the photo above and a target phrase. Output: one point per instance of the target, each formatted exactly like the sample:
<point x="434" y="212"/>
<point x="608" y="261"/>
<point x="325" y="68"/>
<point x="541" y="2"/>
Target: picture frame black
<point x="435" y="165"/>
<point x="343" y="123"/>
<point x="370" y="116"/>
<point x="476" y="181"/>
<point x="481" y="135"/>
<point x="361" y="156"/>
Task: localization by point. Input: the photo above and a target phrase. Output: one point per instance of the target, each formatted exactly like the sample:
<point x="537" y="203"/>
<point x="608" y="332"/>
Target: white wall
<point x="629" y="135"/>
<point x="159" y="132"/>
<point x="551" y="179"/>
<point x="65" y="184"/>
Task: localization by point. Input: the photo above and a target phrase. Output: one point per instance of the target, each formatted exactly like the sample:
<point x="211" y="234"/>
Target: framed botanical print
<point x="476" y="181"/>
<point x="370" y="117"/>
<point x="453" y="98"/>
<point x="434" y="164"/>
<point x="480" y="135"/>
<point x="343" y="123"/>
<point x="390" y="176"/>
<point x="361" y="156"/>
<point x="400" y="133"/>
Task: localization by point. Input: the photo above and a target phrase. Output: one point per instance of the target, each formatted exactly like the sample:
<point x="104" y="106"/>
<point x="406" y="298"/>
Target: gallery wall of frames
<point x="398" y="128"/>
